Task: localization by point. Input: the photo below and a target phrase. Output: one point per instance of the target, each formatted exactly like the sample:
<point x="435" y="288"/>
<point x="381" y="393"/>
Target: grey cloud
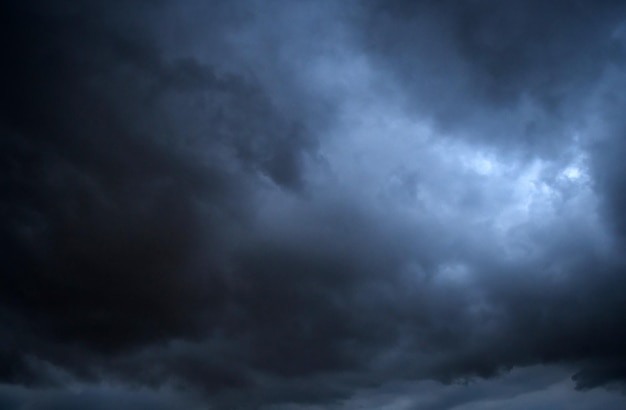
<point x="110" y="214"/>
<point x="196" y="202"/>
<point x="515" y="74"/>
<point x="99" y="397"/>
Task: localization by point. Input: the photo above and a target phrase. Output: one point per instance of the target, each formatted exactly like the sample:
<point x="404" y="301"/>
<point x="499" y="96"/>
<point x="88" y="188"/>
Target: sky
<point x="311" y="205"/>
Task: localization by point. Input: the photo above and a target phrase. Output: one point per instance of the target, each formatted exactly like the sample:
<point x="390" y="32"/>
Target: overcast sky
<point x="313" y="204"/>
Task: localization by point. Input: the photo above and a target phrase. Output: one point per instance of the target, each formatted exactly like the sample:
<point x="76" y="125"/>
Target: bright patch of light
<point x="484" y="166"/>
<point x="572" y="173"/>
<point x="576" y="171"/>
<point x="472" y="160"/>
<point x="399" y="164"/>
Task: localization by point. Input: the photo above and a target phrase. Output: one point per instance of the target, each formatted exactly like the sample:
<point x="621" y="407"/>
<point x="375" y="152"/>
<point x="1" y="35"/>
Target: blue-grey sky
<point x="310" y="205"/>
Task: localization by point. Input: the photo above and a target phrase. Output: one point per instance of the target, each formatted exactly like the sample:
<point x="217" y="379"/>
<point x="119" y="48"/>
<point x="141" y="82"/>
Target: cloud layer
<point x="279" y="205"/>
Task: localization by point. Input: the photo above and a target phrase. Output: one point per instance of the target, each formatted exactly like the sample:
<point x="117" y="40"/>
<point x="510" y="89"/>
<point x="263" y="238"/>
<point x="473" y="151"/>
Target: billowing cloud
<point x="312" y="205"/>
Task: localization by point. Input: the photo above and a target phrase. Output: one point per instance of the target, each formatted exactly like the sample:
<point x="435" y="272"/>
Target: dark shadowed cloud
<point x="306" y="205"/>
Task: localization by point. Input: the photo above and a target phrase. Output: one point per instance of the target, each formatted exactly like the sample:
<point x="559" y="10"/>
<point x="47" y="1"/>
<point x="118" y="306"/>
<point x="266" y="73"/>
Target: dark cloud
<point x="93" y="397"/>
<point x="280" y="205"/>
<point x="514" y="73"/>
<point x="121" y="174"/>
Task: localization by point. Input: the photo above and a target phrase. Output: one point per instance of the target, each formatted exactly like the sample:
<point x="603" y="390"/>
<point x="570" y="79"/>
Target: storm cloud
<point x="306" y="205"/>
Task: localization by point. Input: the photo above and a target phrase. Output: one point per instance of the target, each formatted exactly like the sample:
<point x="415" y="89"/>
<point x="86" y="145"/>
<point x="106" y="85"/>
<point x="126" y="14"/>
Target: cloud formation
<point x="312" y="205"/>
